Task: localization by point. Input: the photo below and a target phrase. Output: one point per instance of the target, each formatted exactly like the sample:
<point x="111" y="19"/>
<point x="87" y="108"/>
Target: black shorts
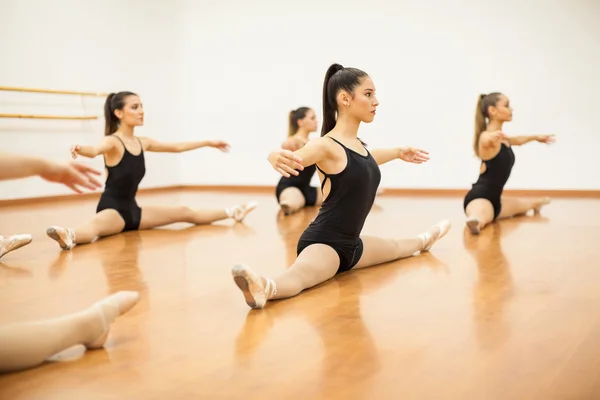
<point x="309" y="193"/>
<point x="127" y="209"/>
<point x="349" y="250"/>
<point x="479" y="191"/>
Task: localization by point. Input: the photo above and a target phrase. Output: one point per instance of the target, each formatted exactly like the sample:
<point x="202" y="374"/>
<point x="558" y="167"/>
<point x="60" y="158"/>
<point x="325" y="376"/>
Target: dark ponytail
<point x="337" y="78"/>
<point x="295" y="115"/>
<point x="114" y="101"/>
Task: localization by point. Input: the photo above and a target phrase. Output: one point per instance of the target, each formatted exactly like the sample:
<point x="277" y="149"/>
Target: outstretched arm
<point x="521" y="140"/>
<point x="103" y="147"/>
<point x="179" y="147"/>
<point x="288" y="162"/>
<point x="408" y="154"/>
<point x="72" y="175"/>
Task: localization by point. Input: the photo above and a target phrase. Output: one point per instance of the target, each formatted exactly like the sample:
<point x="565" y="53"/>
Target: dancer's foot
<point x="435" y="233"/>
<point x="106" y="311"/>
<point x="64" y="237"/>
<point x="544" y="201"/>
<point x="13" y="242"/>
<point x="473" y="225"/>
<point x="238" y="213"/>
<point x="256" y="290"/>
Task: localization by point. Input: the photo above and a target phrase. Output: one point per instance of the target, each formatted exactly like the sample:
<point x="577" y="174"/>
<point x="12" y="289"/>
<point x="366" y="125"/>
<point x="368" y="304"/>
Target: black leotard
<point x="344" y="211"/>
<point x="302" y="182"/>
<point x="121" y="187"/>
<point x="491" y="183"/>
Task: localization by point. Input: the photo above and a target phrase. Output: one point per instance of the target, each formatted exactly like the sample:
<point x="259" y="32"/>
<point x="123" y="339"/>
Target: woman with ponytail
<point x="484" y="203"/>
<point x="350" y="176"/>
<point x="295" y="192"/>
<point x="123" y="154"/>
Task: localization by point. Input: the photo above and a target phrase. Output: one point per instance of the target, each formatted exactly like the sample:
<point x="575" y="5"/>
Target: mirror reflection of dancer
<point x="350" y="175"/>
<point x="123" y="152"/>
<point x="28" y="344"/>
<point x="295" y="192"/>
<point x="484" y="203"/>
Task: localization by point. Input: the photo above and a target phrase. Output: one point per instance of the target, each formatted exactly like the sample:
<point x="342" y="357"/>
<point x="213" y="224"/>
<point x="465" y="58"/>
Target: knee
<point x="185" y="213"/>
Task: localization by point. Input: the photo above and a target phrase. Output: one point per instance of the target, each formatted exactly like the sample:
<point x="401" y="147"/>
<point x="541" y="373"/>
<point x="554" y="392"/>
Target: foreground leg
<point x="155" y="216"/>
<point x="105" y="223"/>
<point x="480" y="212"/>
<point x="378" y="250"/>
<point x="13" y="242"/>
<point x="27" y="345"/>
<point x="315" y="264"/>
<point x="512" y="207"/>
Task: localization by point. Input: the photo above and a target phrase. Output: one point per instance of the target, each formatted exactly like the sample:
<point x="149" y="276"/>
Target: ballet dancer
<point x="349" y="175"/>
<point x="29" y="344"/>
<point x="75" y="176"/>
<point x="295" y="192"/>
<point x="123" y="152"/>
<point x="484" y="203"/>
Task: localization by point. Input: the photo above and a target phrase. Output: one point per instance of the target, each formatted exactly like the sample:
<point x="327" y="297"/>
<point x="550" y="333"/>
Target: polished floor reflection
<point x="512" y="313"/>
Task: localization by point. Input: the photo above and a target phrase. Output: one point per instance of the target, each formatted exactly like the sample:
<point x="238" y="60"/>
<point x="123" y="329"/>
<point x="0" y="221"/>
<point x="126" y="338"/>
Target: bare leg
<point x="155" y="216"/>
<point x="13" y="242"/>
<point x="27" y="345"/>
<point x="105" y="223"/>
<point x="291" y="200"/>
<point x="319" y="262"/>
<point x="480" y="212"/>
<point x="512" y="207"/>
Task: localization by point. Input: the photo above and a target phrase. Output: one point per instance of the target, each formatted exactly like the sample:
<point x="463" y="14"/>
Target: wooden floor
<point x="511" y="314"/>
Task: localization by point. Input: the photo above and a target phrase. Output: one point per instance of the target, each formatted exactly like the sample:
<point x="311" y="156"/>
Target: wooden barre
<point x="48" y="116"/>
<point x="50" y="91"/>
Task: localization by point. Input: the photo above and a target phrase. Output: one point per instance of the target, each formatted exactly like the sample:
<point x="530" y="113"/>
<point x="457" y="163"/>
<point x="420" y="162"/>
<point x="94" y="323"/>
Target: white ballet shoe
<point x="435" y="233"/>
<point x="238" y="213"/>
<point x="255" y="292"/>
<point x="109" y="309"/>
<point x="64" y="237"/>
<point x="13" y="242"/>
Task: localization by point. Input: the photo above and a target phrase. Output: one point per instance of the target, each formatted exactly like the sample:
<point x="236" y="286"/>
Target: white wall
<point x="233" y="69"/>
<point x="253" y="61"/>
<point x="102" y="46"/>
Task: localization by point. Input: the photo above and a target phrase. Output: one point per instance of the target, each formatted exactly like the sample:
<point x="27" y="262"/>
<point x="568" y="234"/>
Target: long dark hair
<point x="337" y="78"/>
<point x="295" y="115"/>
<point x="114" y="101"/>
<point x="484" y="102"/>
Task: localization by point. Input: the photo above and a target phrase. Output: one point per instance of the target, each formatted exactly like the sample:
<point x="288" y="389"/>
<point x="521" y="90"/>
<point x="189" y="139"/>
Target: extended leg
<point x="155" y="216"/>
<point x="27" y="345"/>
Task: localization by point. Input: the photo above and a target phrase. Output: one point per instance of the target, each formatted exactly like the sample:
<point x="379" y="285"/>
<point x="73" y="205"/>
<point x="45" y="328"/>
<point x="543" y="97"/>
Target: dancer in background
<point x="484" y="203"/>
<point x="295" y="192"/>
<point x="350" y="175"/>
<point x="29" y="344"/>
<point x="123" y="153"/>
<point x="73" y="175"/>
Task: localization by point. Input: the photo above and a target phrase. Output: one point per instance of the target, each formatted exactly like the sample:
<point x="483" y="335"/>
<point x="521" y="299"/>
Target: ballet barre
<point x="51" y="91"/>
<point x="64" y="117"/>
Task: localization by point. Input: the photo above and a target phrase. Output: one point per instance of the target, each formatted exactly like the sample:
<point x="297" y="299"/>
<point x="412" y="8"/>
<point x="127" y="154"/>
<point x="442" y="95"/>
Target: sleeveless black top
<point x="351" y="196"/>
<point x="124" y="178"/>
<point x="498" y="169"/>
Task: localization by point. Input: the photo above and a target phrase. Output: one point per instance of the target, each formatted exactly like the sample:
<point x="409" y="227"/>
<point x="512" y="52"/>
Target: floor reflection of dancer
<point x="350" y="177"/>
<point x="123" y="153"/>
<point x="29" y="344"/>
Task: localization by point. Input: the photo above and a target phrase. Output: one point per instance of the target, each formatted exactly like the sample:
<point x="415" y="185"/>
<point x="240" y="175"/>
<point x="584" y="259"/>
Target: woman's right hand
<point x="74" y="149"/>
<point x="285" y="162"/>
